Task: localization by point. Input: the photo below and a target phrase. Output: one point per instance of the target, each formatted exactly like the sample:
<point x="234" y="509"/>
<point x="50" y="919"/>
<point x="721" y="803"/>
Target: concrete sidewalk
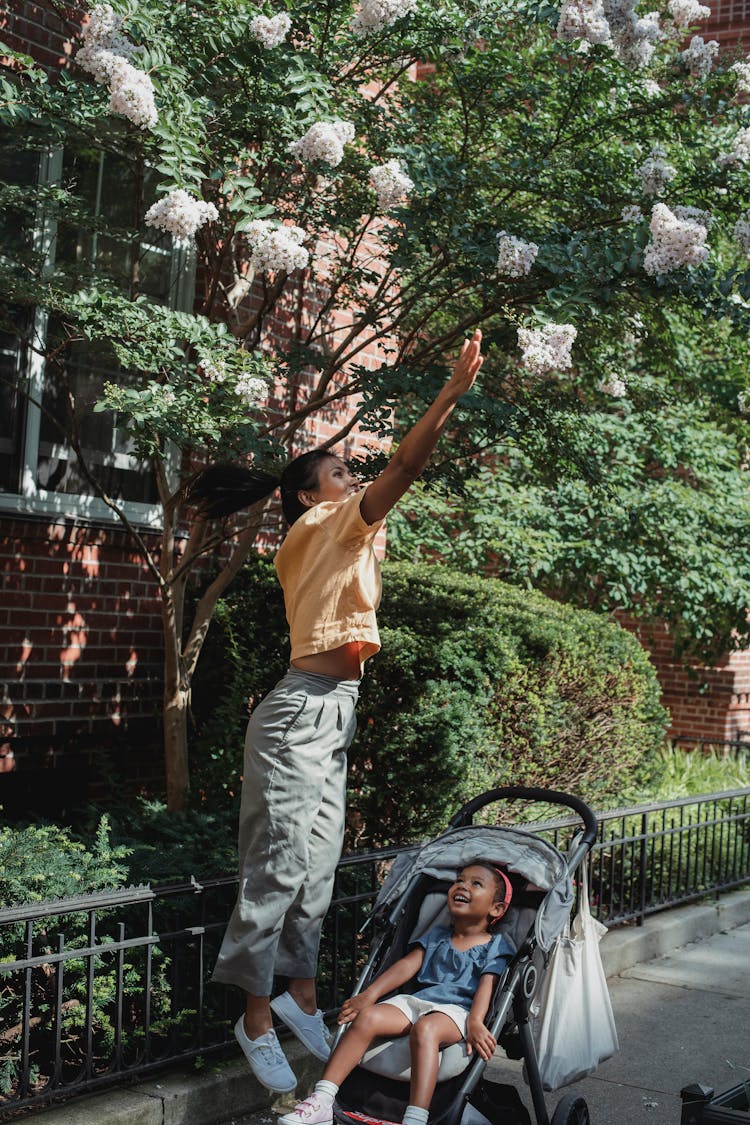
<point x="680" y="987"/>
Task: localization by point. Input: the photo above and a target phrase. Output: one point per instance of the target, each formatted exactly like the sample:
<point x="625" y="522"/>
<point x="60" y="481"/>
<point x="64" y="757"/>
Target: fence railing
<point x="100" y="988"/>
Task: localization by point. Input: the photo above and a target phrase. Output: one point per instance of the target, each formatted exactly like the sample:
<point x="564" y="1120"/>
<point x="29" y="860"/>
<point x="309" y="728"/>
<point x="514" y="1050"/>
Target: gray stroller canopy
<point x="521" y="852"/>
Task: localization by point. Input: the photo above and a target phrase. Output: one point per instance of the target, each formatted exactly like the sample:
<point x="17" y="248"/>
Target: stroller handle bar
<point x="465" y="814"/>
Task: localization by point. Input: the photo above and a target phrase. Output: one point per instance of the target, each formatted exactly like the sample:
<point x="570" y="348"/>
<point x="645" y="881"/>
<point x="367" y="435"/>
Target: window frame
<point x="31" y="499"/>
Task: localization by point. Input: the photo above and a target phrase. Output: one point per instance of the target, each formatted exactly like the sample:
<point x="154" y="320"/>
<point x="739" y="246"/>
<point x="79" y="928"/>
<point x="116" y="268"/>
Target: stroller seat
<point x="391" y="1057"/>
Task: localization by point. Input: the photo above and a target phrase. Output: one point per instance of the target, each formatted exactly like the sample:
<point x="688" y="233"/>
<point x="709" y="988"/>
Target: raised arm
<point x="399" y="973"/>
<point x="413" y="453"/>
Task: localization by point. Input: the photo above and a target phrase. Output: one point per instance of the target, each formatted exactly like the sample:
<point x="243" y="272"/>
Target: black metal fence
<point x="101" y="988"/>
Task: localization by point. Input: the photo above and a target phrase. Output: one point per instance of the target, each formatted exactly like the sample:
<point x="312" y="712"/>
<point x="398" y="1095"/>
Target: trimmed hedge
<point x="478" y="684"/>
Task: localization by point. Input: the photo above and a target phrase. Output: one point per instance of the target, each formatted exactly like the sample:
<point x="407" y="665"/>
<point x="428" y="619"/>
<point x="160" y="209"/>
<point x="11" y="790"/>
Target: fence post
<point x="642" y="878"/>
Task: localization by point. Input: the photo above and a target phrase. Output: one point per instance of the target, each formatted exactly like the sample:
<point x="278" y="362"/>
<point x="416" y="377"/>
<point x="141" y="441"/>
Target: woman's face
<point x="335" y="482"/>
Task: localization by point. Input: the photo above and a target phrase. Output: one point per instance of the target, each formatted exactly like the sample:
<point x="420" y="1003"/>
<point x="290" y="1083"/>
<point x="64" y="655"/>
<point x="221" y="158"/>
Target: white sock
<point x="415" y="1115"/>
<point x="326" y="1090"/>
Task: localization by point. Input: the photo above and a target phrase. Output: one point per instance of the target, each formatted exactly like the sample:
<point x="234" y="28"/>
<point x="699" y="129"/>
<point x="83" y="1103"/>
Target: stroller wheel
<point x="571" y="1111"/>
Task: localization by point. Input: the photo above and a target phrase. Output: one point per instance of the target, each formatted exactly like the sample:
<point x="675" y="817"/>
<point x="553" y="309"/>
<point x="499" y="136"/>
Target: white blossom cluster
<point x="633" y="37"/>
<point x="632" y="214"/>
<point x="697" y="214"/>
<point x="742" y="70"/>
<point x="614" y="386"/>
<point x="375" y="15"/>
<point x="741" y="233"/>
<point x="687" y="12"/>
<point x="655" y="173"/>
<point x="650" y="88"/>
<point x="167" y="396"/>
<point x="514" y="256"/>
<point x="391" y="183"/>
<point x="743" y="402"/>
<point x="181" y="214"/>
<point x="106" y="55"/>
<point x="324" y="140"/>
<point x="216" y="371"/>
<point x="674" y="242"/>
<point x="583" y="19"/>
<point x="269" y="32"/>
<point x="252" y="389"/>
<point x="740" y="153"/>
<point x="699" y="56"/>
<point x="547" y="348"/>
<point x="276" y="247"/>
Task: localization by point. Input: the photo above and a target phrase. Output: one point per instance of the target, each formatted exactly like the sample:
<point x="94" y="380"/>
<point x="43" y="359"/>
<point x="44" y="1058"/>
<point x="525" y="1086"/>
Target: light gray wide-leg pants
<point x="291" y="829"/>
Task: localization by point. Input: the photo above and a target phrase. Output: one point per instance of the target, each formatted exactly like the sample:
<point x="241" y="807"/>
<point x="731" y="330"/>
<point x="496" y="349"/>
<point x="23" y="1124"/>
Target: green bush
<point x="478" y="684"/>
<point x="41" y="863"/>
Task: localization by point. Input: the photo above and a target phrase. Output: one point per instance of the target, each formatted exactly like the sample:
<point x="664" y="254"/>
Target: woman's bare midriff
<point x="344" y="663"/>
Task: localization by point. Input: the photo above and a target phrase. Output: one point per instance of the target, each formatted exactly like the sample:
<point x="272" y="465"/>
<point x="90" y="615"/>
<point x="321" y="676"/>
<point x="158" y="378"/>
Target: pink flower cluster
<point x="547" y="348"/>
<point x="324" y="140"/>
<point x="106" y="55"/>
<point x="180" y="214"/>
<point x="270" y="32"/>
<point x="675" y="242"/>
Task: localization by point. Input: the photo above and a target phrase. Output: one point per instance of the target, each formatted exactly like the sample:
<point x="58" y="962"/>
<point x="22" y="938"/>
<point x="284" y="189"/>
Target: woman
<point x="294" y="784"/>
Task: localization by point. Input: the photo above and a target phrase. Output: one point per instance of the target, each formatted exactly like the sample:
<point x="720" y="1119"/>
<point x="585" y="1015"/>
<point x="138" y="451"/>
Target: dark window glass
<point x="107" y="451"/>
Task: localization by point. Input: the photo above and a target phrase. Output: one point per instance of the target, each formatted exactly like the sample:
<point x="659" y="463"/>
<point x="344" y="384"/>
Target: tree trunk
<point x="176" y="745"/>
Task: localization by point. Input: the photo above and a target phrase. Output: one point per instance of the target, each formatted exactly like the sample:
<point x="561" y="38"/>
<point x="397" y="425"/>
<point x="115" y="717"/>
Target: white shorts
<point x="413" y="1008"/>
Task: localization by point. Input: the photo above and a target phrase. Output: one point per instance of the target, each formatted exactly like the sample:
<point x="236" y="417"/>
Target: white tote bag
<point x="575" y="1028"/>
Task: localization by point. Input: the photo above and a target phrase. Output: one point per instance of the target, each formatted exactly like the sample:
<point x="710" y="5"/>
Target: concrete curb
<point x="662" y="933"/>
<point x="227" y="1091"/>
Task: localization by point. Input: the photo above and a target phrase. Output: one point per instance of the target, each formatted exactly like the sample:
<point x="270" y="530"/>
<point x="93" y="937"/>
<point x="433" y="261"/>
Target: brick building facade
<point x="80" y="631"/>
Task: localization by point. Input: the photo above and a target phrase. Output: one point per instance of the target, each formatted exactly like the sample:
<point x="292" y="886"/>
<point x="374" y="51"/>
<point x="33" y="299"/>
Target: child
<point x="294" y="777"/>
<point x="456" y="969"/>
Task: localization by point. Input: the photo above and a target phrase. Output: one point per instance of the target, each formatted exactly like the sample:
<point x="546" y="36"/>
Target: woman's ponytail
<point x="221" y="490"/>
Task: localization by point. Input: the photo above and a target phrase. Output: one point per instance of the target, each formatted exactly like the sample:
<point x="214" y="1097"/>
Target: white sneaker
<point x="266" y="1058"/>
<point x="312" y="1111"/>
<point x="310" y="1030"/>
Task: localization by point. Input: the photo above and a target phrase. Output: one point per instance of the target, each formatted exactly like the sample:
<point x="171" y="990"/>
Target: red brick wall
<point x="706" y="703"/>
<point x="41" y="32"/>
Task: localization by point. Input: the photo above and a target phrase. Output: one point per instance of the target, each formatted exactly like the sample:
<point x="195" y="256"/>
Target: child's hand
<point x="467" y="365"/>
<point x="353" y="1006"/>
<point x="479" y="1039"/>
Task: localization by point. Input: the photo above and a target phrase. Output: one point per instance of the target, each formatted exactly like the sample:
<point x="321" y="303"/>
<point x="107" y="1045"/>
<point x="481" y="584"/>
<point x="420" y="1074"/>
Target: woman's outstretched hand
<point x="467" y="365"/>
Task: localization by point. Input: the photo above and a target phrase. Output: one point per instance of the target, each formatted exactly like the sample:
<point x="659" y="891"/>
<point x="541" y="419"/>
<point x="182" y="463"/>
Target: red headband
<point x="506" y="882"/>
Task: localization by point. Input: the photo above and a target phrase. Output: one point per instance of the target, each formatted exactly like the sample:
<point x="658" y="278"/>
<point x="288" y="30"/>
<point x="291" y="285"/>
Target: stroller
<point x="411" y="901"/>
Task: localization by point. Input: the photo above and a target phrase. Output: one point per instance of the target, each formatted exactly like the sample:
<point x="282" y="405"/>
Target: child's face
<point x="473" y="896"/>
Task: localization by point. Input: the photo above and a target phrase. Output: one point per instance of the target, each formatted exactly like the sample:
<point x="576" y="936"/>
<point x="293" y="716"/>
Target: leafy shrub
<point x="42" y="863"/>
<point x="478" y="684"/>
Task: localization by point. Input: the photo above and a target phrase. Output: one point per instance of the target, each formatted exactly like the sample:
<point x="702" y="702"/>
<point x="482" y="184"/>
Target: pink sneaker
<point x="315" y="1110"/>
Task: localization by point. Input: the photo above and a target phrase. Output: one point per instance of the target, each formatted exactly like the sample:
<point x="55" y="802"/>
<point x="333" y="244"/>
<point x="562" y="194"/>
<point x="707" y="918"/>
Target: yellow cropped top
<point x="331" y="579"/>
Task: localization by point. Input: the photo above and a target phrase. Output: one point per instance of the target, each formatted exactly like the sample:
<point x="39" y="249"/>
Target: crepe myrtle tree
<point x="550" y="173"/>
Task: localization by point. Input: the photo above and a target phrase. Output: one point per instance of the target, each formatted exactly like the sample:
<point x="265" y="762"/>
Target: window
<point x="38" y="470"/>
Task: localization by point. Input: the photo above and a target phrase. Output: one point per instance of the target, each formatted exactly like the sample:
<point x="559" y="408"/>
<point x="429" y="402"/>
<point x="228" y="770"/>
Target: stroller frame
<point x="509" y="1016"/>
